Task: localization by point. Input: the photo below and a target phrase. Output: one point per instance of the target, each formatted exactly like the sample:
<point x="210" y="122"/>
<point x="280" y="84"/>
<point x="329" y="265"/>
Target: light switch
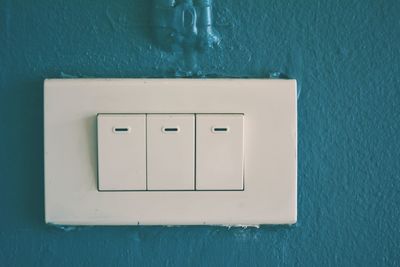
<point x="121" y="151"/>
<point x="170" y="152"/>
<point x="234" y="134"/>
<point x="219" y="152"/>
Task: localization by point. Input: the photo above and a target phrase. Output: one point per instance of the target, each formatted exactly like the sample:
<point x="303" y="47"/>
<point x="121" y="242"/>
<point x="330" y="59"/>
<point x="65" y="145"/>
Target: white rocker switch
<point x="219" y="152"/>
<point x="121" y="152"/>
<point x="170" y="151"/>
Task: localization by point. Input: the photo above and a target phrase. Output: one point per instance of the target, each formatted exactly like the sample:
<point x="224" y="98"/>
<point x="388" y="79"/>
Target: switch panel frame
<point x="270" y="169"/>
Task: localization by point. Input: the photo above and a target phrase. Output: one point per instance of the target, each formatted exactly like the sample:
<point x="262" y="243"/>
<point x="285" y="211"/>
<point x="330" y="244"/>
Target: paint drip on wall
<point x="185" y="27"/>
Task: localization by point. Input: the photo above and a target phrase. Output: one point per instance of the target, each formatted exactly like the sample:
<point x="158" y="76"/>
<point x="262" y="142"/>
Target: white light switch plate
<point x="269" y="113"/>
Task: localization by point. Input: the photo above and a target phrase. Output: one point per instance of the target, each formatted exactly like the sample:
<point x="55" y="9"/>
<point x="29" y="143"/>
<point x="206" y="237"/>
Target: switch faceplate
<point x="246" y="175"/>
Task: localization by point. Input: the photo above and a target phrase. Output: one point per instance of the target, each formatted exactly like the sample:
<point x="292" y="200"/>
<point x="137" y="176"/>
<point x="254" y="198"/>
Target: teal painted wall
<point x="345" y="55"/>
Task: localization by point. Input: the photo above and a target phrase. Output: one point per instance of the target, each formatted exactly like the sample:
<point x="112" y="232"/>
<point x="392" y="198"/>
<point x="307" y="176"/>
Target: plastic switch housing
<point x="240" y="135"/>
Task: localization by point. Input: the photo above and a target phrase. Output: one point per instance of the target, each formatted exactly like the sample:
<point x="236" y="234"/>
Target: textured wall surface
<point x="346" y="57"/>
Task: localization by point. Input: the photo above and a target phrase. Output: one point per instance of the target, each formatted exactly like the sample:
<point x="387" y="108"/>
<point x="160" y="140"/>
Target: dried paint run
<point x="185" y="27"/>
